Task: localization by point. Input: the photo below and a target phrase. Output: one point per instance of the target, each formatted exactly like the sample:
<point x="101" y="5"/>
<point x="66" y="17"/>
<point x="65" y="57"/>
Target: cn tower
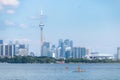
<point x="41" y="25"/>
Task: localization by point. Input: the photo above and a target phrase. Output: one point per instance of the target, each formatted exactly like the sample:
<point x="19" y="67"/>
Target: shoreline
<point x="59" y="63"/>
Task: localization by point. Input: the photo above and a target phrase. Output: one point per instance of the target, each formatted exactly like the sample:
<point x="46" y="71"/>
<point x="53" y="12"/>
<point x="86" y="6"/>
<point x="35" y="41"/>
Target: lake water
<point x="59" y="72"/>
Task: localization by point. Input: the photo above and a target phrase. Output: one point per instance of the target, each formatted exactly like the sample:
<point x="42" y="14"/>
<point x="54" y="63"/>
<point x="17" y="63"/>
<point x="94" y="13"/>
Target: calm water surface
<point x="58" y="72"/>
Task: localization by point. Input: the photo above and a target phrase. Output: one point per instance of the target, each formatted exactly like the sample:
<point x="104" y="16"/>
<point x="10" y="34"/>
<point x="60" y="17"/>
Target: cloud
<point x="13" y="24"/>
<point x="10" y="11"/>
<point x="23" y="25"/>
<point x="9" y="23"/>
<point x="9" y="3"/>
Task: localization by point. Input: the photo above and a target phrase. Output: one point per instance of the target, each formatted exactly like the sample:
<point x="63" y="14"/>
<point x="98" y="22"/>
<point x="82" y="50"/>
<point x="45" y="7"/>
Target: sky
<point x="94" y="24"/>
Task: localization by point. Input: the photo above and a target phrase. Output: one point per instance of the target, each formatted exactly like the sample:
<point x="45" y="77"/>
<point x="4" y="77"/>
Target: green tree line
<point x="30" y="59"/>
<point x="27" y="59"/>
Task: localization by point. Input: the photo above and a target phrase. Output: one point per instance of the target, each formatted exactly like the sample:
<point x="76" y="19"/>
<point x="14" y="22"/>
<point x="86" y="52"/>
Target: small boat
<point x="79" y="70"/>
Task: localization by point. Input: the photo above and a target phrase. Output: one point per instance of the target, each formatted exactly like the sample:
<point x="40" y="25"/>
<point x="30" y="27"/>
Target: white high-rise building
<point x="11" y="50"/>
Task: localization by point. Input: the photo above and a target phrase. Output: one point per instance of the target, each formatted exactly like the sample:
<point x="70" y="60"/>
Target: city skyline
<point x="93" y="24"/>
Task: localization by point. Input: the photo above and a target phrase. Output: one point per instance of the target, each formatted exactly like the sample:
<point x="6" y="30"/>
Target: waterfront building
<point x="79" y="52"/>
<point x="96" y="55"/>
<point x="118" y="53"/>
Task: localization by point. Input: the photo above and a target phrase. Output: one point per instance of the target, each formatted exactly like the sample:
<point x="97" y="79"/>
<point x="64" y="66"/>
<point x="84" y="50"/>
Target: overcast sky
<point x="94" y="24"/>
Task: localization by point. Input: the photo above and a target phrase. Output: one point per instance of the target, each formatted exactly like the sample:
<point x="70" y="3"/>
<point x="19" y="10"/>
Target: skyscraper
<point x="75" y="52"/>
<point x="118" y="53"/>
<point x="45" y="49"/>
<point x="1" y="49"/>
<point x="6" y="48"/>
<point x="11" y="49"/>
<point x="61" y="48"/>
